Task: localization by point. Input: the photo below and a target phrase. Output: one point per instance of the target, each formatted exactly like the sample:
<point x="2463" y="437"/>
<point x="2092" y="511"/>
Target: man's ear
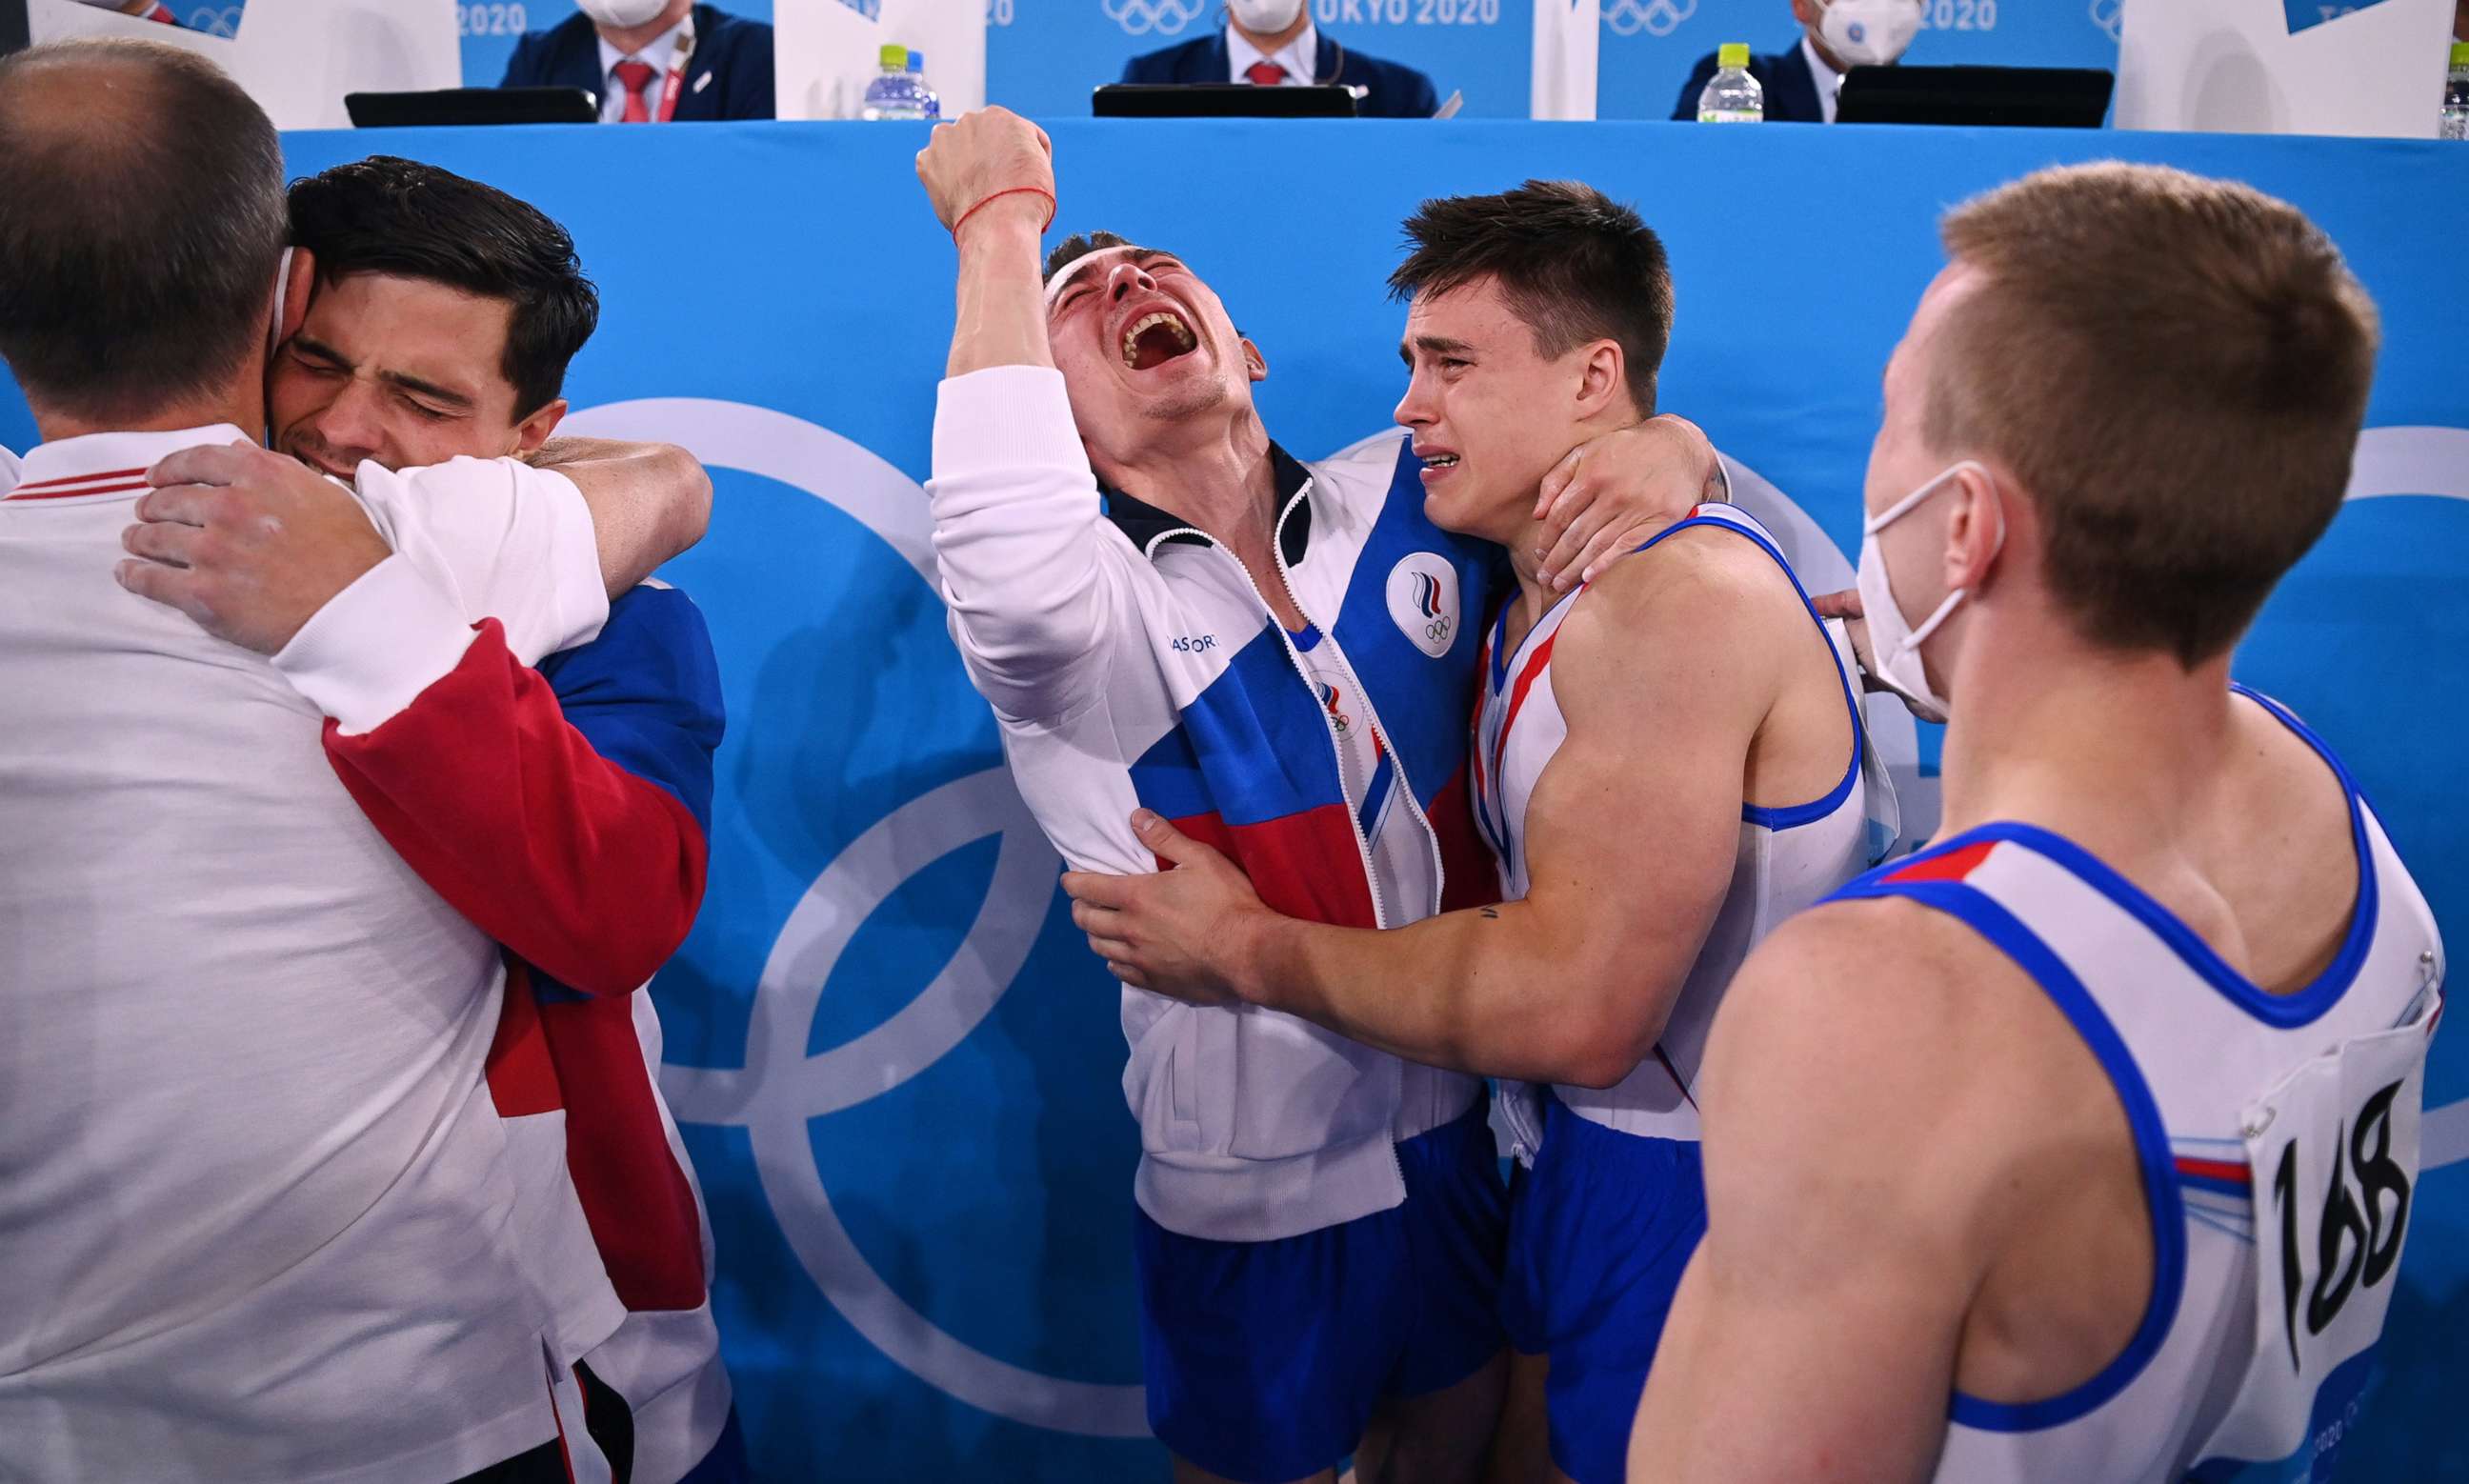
<point x="299" y="281"/>
<point x="534" y="431"/>
<point x="1603" y="378"/>
<point x="1975" y="532"/>
<point x="1255" y="364"/>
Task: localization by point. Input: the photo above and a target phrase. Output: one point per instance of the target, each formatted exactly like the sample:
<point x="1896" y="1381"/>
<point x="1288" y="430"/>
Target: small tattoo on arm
<point x="1493" y="913"/>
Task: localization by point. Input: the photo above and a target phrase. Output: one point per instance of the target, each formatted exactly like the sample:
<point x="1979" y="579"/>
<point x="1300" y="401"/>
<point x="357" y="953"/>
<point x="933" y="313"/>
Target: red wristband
<point x="998" y="196"/>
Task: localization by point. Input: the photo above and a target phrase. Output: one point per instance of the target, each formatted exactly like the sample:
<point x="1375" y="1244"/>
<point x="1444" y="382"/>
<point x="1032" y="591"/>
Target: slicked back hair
<point x="2176" y="369"/>
<point x="1575" y="264"/>
<point x="401" y="217"/>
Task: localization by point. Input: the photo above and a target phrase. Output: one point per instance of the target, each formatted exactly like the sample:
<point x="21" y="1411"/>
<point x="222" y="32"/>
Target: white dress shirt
<point x="661" y="53"/>
<point x="1300" y="58"/>
<point x="1830" y="81"/>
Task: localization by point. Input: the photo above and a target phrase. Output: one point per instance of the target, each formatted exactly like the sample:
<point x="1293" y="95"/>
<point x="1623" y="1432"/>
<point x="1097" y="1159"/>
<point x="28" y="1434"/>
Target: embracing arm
<point x="1816" y="1334"/>
<point x="649" y="502"/>
<point x="1573" y="982"/>
<point x="564" y="813"/>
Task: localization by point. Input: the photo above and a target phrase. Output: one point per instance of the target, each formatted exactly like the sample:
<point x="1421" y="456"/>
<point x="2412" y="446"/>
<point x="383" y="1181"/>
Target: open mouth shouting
<point x="1151" y="340"/>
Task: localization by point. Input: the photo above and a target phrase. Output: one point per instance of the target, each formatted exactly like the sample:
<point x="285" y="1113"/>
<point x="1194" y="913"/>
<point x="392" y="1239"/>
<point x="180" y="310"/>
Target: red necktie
<point x="636" y="76"/>
<point x="1266" y="73"/>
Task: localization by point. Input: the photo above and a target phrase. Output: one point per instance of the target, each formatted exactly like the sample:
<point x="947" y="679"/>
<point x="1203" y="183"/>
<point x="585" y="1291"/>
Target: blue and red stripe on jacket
<point x="566" y="812"/>
<point x="1250" y="768"/>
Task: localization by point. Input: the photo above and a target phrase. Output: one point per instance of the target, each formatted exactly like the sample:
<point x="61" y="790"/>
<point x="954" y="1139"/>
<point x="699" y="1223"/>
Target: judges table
<point x="889" y="1053"/>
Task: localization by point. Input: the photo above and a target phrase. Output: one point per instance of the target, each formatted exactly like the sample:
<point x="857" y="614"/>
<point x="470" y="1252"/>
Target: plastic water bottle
<point x="930" y="104"/>
<point x="893" y="94"/>
<point x="2455" y="95"/>
<point x="1732" y="96"/>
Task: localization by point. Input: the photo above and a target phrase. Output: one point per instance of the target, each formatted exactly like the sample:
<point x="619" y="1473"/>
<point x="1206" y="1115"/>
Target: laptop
<point x="472" y="106"/>
<point x="2016" y="97"/>
<point x="1221" y="101"/>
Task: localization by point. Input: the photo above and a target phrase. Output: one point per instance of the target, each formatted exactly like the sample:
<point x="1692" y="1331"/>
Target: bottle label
<point x="1730" y="116"/>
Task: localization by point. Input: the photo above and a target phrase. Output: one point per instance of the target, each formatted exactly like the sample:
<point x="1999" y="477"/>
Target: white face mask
<point x="1894" y="645"/>
<point x="1264" y="17"/>
<point x="1869" y="33"/>
<point x="622" y="14"/>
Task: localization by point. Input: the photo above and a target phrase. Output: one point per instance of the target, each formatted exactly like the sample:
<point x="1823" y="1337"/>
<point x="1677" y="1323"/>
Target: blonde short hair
<point x="2176" y="369"/>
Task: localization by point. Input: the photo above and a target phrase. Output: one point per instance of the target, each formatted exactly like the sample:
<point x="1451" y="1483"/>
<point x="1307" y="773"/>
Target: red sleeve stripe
<point x="84" y="478"/>
<point x="81" y="490"/>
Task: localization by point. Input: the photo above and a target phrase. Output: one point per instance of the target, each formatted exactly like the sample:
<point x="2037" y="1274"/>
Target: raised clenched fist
<point x="984" y="155"/>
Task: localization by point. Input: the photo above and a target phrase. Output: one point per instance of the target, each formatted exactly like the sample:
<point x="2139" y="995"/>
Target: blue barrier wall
<point x="895" y="1066"/>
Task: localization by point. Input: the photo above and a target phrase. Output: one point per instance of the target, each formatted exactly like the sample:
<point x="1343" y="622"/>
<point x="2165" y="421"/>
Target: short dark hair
<point x="1078" y="245"/>
<point x="137" y="258"/>
<point x="1575" y="264"/>
<point x="401" y="217"/>
<point x="2176" y="369"/>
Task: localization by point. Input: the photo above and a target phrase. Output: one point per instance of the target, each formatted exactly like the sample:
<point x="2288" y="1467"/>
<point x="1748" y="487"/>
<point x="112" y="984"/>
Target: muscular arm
<point x="991" y="180"/>
<point x="649" y="502"/>
<point x="1816" y="1334"/>
<point x="1630" y="851"/>
<point x="1573" y="982"/>
<point x="1000" y="317"/>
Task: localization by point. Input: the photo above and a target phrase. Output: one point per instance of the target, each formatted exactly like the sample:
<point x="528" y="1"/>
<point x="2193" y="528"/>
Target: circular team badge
<point x="1423" y="601"/>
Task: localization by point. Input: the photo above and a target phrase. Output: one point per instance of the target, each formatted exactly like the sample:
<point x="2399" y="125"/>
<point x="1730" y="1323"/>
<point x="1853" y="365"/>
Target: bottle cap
<point x="1733" y="54"/>
<point x="895" y="58"/>
<point x="2461" y="54"/>
<point x="916" y="61"/>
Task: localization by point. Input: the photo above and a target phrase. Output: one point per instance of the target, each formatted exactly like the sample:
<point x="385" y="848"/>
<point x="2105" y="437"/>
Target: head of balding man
<point x="142" y="229"/>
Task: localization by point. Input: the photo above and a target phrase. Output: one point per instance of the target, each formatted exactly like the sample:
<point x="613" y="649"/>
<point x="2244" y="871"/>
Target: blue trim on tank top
<point x="1306" y="639"/>
<point x="2282" y="1011"/>
<point x="1792" y="816"/>
<point x="2162" y="1199"/>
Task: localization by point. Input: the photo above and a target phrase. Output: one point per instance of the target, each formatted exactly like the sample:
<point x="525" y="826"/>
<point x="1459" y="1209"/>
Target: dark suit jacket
<point x="1791" y="93"/>
<point x="734" y="54"/>
<point x="1395" y="91"/>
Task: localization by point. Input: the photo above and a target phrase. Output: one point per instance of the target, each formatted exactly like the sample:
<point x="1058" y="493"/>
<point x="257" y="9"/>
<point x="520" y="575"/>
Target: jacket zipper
<point x="1405" y="789"/>
<point x="1295" y="659"/>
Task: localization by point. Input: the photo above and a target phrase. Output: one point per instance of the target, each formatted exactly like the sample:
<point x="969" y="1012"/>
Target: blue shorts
<point x="1265" y="1360"/>
<point x="1600" y="1231"/>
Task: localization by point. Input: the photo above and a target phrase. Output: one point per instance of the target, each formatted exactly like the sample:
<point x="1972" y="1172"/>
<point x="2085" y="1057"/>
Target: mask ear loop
<point x="282" y="294"/>
<point x="1956" y="597"/>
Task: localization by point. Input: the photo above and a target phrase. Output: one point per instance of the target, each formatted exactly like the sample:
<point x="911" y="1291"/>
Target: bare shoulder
<point x="1850" y="992"/>
<point x="1702" y="605"/>
<point x="1700" y="584"/>
<point x="1914" y="1051"/>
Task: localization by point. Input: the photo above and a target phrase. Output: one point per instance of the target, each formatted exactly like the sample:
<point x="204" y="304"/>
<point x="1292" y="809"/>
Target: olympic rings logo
<point x="781" y="1085"/>
<point x="1654" y="17"/>
<point x="1163" y="17"/>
